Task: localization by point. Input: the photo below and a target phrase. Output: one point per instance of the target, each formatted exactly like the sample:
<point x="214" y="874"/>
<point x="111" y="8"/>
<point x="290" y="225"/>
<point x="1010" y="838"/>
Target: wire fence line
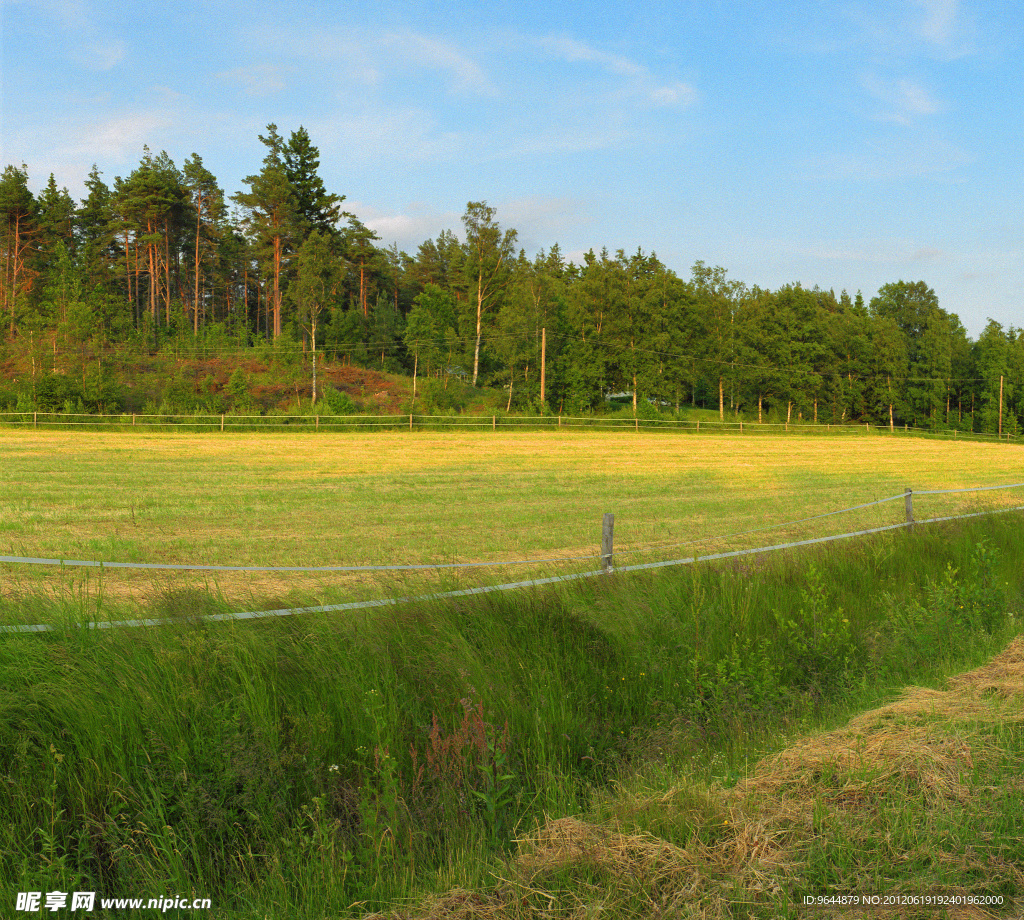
<point x="606" y="569"/>
<point x="432" y="566"/>
<point x="231" y="422"/>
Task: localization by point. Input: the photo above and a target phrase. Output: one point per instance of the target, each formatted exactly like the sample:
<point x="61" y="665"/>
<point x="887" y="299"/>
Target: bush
<point x="338" y="403"/>
<point x="55" y="391"/>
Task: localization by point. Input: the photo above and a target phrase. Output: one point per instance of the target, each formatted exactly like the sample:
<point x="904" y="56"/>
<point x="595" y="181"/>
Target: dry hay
<point x="913" y="742"/>
<point x="917" y="745"/>
<point x="1003" y="676"/>
<point x="569" y="842"/>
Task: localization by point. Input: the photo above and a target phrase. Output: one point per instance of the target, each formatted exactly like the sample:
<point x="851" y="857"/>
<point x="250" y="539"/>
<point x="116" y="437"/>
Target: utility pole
<point x="544" y="359"/>
<point x="1000" y="405"/>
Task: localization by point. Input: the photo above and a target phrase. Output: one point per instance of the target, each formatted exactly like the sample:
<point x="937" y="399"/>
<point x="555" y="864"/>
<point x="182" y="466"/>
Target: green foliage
<point x="443" y="396"/>
<point x="817" y="640"/>
<point x="62" y="393"/>
<point x="339" y="403"/>
<point x="238" y="388"/>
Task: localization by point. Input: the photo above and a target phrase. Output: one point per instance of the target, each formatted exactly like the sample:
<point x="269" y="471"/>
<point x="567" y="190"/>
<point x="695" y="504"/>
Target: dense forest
<point x="162" y="262"/>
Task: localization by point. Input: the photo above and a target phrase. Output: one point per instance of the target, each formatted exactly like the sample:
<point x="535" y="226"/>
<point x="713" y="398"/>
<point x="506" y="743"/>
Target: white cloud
<point x="568" y="49"/>
<point x="884" y="252"/>
<point x="639" y="80"/>
<point x="681" y="94"/>
<point x="82" y="40"/>
<point x="940" y="20"/>
<point x="68" y="147"/>
<point x="400" y="135"/>
<point x="541" y="219"/>
<point x="441" y="55"/>
<point x="258" y="79"/>
<point x="912" y="157"/>
<point x="412" y="225"/>
<point x="905" y="101"/>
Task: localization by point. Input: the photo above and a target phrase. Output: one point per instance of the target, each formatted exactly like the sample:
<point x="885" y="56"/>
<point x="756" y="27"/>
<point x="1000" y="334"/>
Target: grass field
<point x="616" y="747"/>
<point x="422" y="497"/>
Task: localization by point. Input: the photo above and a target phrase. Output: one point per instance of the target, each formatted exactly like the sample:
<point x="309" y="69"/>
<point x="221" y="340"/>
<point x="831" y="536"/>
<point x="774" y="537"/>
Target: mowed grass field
<point x="385" y="498"/>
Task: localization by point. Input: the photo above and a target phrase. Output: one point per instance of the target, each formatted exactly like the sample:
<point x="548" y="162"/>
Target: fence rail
<point x="412" y="421"/>
<point x="606" y="556"/>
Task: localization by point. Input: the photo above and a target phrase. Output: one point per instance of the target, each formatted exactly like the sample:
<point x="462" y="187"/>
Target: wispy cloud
<point x="884" y="252"/>
<point x="905" y="101"/>
<point x="889" y="160"/>
<point x="113" y="141"/>
<point x="82" y="39"/>
<point x="257" y="79"/>
<point x="940" y="20"/>
<point x="639" y="80"/>
<point x="441" y="55"/>
<point x="404" y="135"/>
<point x="571" y="50"/>
<point x="410" y="226"/>
<point x="541" y="219"/>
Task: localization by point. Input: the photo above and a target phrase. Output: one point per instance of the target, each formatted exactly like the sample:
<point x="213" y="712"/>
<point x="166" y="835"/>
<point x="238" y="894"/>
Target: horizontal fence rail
<point x="606" y="556"/>
<point x="412" y="421"/>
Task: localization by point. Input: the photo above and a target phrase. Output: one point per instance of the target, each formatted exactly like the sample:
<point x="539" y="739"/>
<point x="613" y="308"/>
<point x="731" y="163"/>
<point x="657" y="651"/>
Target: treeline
<point x="164" y="259"/>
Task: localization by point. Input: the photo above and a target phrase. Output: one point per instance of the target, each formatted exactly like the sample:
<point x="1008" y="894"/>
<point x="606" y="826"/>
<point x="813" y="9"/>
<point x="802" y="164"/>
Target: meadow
<point x="385" y="498"/>
<point x="711" y="740"/>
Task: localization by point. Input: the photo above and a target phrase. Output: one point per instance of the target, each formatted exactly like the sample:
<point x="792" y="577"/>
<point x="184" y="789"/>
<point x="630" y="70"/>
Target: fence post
<point x="410" y="421"/>
<point x="607" y="537"/>
<point x="34" y="422"/>
<point x="494" y="423"/>
<point x="909" y="502"/>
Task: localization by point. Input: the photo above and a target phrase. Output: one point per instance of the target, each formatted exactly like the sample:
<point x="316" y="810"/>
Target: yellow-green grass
<point x="322" y="499"/>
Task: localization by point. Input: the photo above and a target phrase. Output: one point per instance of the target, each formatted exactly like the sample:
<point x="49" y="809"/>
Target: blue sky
<point x="844" y="144"/>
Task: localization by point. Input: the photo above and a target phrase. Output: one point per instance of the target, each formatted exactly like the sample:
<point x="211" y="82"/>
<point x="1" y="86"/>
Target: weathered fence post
<point x="909" y="502"/>
<point x="607" y="538"/>
<point x="494" y="423"/>
<point x="410" y="421"/>
<point x="222" y="421"/>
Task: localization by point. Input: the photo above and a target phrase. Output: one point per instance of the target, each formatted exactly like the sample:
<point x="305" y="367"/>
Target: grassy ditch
<point x="323" y="766"/>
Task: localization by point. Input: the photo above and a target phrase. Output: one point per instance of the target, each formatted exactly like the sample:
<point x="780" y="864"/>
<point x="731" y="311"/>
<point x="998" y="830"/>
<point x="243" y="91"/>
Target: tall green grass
<point x="333" y="764"/>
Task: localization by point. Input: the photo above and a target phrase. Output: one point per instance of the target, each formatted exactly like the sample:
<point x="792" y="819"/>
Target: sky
<point x="846" y="145"/>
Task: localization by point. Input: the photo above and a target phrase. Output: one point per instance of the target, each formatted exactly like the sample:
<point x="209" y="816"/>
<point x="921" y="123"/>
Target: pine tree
<point x="319" y="209"/>
<point x="17" y="231"/>
<point x="207" y="201"/>
<point x="273" y="221"/>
